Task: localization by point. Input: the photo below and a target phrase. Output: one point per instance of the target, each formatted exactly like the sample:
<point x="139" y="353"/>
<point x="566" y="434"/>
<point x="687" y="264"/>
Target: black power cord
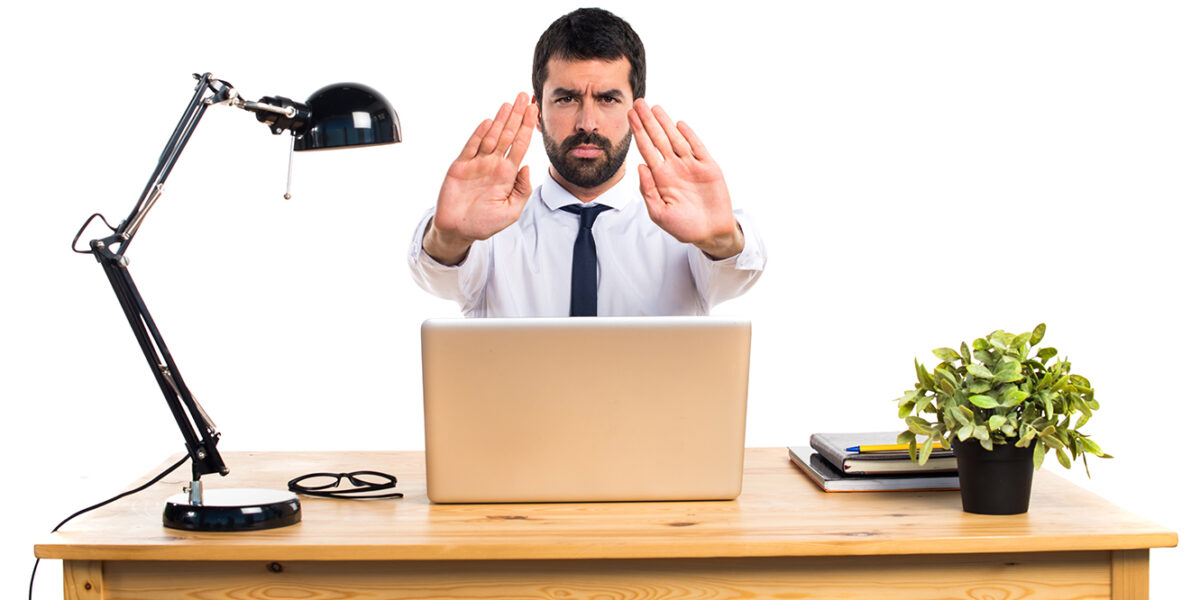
<point x="153" y="481"/>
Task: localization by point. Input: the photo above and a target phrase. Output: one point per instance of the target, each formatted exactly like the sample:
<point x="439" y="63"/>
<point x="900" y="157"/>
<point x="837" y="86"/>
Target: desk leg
<point x="1131" y="575"/>
<point x="83" y="580"/>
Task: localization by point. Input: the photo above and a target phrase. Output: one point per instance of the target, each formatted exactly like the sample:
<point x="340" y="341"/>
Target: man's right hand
<point x="486" y="186"/>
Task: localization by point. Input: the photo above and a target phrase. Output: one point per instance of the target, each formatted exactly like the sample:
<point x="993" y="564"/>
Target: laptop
<point x="585" y="409"/>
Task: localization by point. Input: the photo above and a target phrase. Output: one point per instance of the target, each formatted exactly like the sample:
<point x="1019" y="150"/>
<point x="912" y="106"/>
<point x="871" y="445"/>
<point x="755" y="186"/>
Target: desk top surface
<point x="779" y="513"/>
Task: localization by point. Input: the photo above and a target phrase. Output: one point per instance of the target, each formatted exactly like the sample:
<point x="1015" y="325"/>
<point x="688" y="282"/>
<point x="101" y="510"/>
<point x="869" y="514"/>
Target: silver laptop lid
<point x="585" y="409"/>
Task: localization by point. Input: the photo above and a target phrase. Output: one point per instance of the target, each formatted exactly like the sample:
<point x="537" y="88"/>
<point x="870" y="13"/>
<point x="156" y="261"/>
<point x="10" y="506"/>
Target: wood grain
<point x="83" y="580"/>
<point x="780" y="513"/>
<point x="1131" y="574"/>
<point x="1062" y="576"/>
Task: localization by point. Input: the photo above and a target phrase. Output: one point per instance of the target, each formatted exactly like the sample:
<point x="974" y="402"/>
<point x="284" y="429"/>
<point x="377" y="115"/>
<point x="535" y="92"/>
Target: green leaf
<point x="979" y="371"/>
<point x="986" y="443"/>
<point x="1090" y="446"/>
<point x="1028" y="436"/>
<point x="926" y="450"/>
<point x="965" y="432"/>
<point x="1039" y="332"/>
<point x="1063" y="433"/>
<point x="1013" y="396"/>
<point x="1046" y="354"/>
<point x="921" y="404"/>
<point x="945" y="376"/>
<point x="923" y="378"/>
<point x="996" y="421"/>
<point x="979" y="386"/>
<point x="1009" y="371"/>
<point x="946" y="354"/>
<point x="984" y="401"/>
<point x="905" y="437"/>
<point x="1087" y="416"/>
<point x="946" y="385"/>
<point x="964" y="415"/>
<point x="1063" y="459"/>
<point x="1001" y="338"/>
<point x="965" y="353"/>
<point x="1039" y="454"/>
<point x="1050" y="439"/>
<point x="981" y="433"/>
<point x="919" y="425"/>
<point x="980" y="344"/>
<point x="1022" y="339"/>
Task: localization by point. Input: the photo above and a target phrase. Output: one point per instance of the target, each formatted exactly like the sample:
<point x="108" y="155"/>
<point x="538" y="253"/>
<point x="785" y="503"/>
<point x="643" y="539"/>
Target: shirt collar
<point x="555" y="196"/>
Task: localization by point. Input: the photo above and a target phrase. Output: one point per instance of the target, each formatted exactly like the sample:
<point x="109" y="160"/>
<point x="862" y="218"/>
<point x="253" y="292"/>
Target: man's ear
<point x="538" y="102"/>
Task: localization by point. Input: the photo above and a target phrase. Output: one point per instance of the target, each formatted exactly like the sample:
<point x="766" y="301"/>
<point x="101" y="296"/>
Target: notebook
<point x="585" y="409"/>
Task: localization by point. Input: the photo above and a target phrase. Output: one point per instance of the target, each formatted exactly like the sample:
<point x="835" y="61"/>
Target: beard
<point x="587" y="172"/>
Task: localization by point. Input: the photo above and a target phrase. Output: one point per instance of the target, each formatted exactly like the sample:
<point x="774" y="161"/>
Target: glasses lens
<point x="318" y="482"/>
<point x="371" y="479"/>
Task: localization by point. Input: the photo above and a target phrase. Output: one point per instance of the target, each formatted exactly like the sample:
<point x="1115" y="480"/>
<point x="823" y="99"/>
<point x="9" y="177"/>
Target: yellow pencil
<point x="884" y="448"/>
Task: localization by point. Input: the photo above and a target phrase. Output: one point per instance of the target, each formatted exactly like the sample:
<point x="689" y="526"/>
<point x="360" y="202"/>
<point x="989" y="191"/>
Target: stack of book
<point x="871" y="462"/>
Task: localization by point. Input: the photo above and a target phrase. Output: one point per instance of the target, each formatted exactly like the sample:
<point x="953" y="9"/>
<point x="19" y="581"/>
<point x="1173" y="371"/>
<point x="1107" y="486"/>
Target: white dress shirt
<point x="525" y="270"/>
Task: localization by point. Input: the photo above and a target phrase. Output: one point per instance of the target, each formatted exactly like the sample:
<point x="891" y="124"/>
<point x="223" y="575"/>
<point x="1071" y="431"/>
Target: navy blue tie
<point x="583" y="266"/>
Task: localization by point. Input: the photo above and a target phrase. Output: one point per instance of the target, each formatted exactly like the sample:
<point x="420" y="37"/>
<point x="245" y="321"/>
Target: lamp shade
<point x="348" y="114"/>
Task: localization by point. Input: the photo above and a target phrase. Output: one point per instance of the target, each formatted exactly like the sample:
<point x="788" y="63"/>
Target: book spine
<point x="834" y="455"/>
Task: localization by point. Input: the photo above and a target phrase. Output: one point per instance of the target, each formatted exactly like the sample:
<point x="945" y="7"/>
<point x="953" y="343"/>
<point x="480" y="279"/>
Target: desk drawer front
<point x="1040" y="575"/>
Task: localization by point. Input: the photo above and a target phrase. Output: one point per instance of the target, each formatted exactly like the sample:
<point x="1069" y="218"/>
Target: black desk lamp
<point x="336" y="116"/>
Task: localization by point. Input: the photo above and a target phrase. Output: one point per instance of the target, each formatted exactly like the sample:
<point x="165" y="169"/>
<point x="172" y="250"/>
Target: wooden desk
<point x="782" y="538"/>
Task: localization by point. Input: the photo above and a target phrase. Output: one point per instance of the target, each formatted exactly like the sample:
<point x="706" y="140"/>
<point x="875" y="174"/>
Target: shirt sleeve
<point x="721" y="280"/>
<point x="463" y="283"/>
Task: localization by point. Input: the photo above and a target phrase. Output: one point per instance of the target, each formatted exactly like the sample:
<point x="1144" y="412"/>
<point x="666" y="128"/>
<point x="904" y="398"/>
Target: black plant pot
<point x="996" y="482"/>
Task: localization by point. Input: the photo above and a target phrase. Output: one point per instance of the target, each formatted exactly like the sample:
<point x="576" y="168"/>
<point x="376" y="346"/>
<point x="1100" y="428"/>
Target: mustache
<point x="587" y="137"/>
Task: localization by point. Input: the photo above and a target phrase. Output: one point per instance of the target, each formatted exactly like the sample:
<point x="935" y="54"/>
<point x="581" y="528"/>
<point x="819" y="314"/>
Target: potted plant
<point x="1002" y="407"/>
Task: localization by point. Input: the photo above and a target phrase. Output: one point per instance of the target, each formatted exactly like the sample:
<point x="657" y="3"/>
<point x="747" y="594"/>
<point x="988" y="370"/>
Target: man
<point x="588" y="243"/>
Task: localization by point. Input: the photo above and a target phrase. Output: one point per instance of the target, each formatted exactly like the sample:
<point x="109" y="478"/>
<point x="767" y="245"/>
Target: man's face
<point x="584" y="122"/>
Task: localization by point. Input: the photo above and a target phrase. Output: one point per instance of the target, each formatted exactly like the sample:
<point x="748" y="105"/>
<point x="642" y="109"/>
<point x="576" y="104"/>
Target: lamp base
<point x="233" y="510"/>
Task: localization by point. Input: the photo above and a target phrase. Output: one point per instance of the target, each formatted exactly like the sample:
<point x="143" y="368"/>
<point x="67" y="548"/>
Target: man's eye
<point x="609" y="99"/>
<point x="564" y="99"/>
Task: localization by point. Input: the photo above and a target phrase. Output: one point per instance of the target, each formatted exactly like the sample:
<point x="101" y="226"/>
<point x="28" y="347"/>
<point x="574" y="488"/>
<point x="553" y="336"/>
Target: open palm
<point x="682" y="185"/>
<point x="486" y="187"/>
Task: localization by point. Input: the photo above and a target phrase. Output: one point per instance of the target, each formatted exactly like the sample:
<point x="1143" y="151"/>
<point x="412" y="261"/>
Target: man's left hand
<point x="684" y="189"/>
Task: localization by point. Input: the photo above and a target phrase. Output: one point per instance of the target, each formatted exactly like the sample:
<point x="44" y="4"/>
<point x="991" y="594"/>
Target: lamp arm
<point x="199" y="432"/>
<point x="220" y="92"/>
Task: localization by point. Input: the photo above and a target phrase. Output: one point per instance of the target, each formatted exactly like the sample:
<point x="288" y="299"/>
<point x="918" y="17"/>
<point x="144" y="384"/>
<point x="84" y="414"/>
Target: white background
<point x="924" y="172"/>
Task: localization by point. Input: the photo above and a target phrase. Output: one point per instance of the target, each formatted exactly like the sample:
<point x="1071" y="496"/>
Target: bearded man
<point x="591" y="241"/>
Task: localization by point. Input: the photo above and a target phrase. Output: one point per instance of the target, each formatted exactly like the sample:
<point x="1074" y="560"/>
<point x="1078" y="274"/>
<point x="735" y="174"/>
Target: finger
<point x="679" y="145"/>
<point x="645" y="146"/>
<point x="515" y="118"/>
<point x="491" y="140"/>
<point x="653" y="128"/>
<point x="472" y="147"/>
<point x="698" y="149"/>
<point x="654" y="201"/>
<point x="521" y="188"/>
<point x="521" y="143"/>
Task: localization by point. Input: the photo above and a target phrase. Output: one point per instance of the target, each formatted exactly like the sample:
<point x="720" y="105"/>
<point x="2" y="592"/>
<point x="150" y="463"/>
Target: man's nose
<point x="586" y="119"/>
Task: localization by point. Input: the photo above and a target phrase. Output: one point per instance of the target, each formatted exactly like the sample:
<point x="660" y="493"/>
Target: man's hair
<point x="588" y="34"/>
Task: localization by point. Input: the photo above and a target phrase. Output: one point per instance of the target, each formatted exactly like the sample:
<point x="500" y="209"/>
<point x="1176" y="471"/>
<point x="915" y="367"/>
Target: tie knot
<point x="587" y="214"/>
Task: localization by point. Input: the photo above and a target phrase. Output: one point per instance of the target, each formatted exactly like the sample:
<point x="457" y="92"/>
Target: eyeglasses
<point x="362" y="483"/>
